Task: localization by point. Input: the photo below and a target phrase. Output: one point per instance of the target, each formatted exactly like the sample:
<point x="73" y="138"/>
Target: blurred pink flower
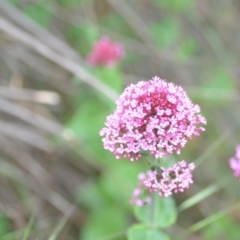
<point x="163" y="181"/>
<point x="234" y="163"/>
<point x="138" y="199"/>
<point x="140" y="196"/>
<point x="154" y="116"/>
<point x="105" y="53"/>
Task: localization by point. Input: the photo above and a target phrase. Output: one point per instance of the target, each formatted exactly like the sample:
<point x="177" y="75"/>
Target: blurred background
<point x="56" y="180"/>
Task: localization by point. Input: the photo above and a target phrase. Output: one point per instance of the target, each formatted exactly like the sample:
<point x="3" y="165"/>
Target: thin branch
<point x="23" y="94"/>
<point x="53" y="197"/>
<point x="25" y="160"/>
<point x="24" y="134"/>
<point x="30" y="117"/>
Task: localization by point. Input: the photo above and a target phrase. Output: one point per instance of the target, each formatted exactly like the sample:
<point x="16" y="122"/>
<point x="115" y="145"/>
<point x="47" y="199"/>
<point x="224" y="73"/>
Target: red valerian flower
<point x="164" y="181"/>
<point x="154" y="116"/>
<point x="105" y="53"/>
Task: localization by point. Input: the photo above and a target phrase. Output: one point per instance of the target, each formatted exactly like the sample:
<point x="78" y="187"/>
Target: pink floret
<point x="234" y="163"/>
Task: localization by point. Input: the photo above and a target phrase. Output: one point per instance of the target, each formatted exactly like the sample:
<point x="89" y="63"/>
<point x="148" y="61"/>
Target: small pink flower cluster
<point x="105" y="53"/>
<point x="154" y="116"/>
<point x="234" y="163"/>
<point x="164" y="181"/>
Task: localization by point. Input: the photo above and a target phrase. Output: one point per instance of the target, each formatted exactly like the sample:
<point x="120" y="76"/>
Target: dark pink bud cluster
<point x="105" y="53"/>
<point x="234" y="163"/>
<point x="164" y="181"/>
<point x="154" y="116"/>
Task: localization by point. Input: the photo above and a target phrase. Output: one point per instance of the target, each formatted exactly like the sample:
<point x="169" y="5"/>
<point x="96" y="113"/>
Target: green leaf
<point x="143" y="232"/>
<point x="104" y="222"/>
<point x="121" y="173"/>
<point x="88" y="119"/>
<point x="161" y="213"/>
<point x="86" y="123"/>
<point x="39" y="14"/>
<point x="111" y="76"/>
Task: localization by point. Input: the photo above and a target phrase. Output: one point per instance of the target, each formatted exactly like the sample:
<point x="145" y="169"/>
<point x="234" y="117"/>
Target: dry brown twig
<point x="67" y="64"/>
<point x="31" y="95"/>
<point x="24" y="134"/>
<point x="55" y="43"/>
<point x="30" y="117"/>
<point x="33" y="175"/>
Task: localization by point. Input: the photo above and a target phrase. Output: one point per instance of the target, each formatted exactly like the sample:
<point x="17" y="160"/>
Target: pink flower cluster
<point x="154" y="116"/>
<point x="105" y="53"/>
<point x="164" y="181"/>
<point x="234" y="163"/>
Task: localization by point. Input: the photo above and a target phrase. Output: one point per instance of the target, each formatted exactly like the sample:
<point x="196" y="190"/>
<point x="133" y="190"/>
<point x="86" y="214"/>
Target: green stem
<point x="152" y="209"/>
<point x="212" y="148"/>
<point x="204" y="194"/>
<point x="207" y="221"/>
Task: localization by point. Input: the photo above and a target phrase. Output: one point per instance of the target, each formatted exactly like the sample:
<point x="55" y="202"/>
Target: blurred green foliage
<point x="104" y="222"/>
<point x="4" y="225"/>
<point x="165" y="32"/>
<point x="220" y="78"/>
<point x="164" y="214"/>
<point x="71" y="3"/>
<point x="178" y="5"/>
<point x="105" y="197"/>
<point x="13" y="1"/>
<point x="38" y="14"/>
<point x="82" y="36"/>
<point x="143" y="232"/>
<point x="224" y="228"/>
<point x="187" y="49"/>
